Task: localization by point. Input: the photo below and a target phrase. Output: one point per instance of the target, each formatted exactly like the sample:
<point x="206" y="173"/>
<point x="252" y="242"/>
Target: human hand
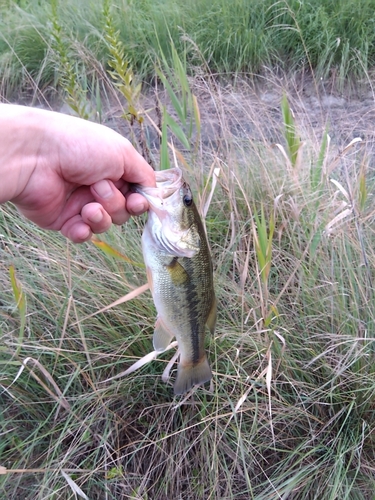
<point x="67" y="174"/>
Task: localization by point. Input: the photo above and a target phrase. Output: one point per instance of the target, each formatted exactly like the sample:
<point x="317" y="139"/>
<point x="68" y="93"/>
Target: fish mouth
<point x="167" y="182"/>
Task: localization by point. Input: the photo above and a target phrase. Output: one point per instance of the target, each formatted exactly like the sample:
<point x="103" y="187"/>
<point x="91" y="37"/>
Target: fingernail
<point x="140" y="209"/>
<point x="85" y="236"/>
<point x="103" y="189"/>
<point x="97" y="217"/>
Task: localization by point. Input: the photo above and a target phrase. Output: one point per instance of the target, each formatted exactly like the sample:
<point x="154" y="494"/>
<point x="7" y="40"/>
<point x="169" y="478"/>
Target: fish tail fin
<point x="189" y="375"/>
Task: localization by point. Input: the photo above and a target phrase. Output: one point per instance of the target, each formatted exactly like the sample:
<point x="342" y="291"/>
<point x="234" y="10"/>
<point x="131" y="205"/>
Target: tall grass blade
<point x="129" y="296"/>
<point x="20" y="299"/>
<point x="164" y="153"/>
<point x="318" y="169"/>
<point x="176" y="130"/>
<point x="263" y="242"/>
<point x="112" y="252"/>
<point x="292" y="139"/>
<point x="362" y="187"/>
<point x="74" y="486"/>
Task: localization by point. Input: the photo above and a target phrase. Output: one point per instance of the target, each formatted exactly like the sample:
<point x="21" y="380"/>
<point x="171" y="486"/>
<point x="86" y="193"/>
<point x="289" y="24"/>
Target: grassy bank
<point x="241" y="37"/>
<point x="291" y="411"/>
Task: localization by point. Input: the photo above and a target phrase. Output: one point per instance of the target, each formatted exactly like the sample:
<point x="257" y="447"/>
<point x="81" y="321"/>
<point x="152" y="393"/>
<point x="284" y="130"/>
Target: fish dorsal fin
<point x="177" y="272"/>
<point x="211" y="319"/>
<point x="162" y="336"/>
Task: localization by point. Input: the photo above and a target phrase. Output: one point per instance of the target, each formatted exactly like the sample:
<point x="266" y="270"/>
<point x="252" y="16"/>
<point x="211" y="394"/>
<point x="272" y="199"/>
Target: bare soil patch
<point x="250" y="110"/>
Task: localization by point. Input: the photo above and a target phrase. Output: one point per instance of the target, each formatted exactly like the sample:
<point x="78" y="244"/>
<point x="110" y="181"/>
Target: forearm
<point x="21" y="132"/>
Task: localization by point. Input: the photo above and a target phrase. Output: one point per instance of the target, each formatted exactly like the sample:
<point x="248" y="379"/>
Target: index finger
<point x="136" y="168"/>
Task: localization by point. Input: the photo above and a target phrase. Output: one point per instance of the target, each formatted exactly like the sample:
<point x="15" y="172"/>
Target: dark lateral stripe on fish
<point x="193" y="300"/>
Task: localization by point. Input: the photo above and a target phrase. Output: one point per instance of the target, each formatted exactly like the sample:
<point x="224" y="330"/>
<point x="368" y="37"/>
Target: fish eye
<point x="188" y="200"/>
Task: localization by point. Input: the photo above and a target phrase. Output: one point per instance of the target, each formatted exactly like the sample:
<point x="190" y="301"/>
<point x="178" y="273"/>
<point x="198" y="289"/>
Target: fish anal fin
<point x="162" y="336"/>
<point x="178" y="274"/>
<point x="211" y="319"/>
<point x="189" y="375"/>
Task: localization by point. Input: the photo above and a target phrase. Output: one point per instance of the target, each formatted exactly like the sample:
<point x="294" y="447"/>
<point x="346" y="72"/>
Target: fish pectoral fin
<point x="178" y="274"/>
<point x="162" y="336"/>
<point x="189" y="375"/>
<point x="211" y="319"/>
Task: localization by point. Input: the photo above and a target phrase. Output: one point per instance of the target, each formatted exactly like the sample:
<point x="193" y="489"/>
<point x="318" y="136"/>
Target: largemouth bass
<point x="179" y="272"/>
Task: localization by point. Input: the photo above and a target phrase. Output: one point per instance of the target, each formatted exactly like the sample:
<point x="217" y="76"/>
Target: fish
<point x="180" y="275"/>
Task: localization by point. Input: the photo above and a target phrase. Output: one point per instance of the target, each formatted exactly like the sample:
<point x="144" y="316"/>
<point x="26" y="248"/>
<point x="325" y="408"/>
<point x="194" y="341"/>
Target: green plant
<point x="290" y="414"/>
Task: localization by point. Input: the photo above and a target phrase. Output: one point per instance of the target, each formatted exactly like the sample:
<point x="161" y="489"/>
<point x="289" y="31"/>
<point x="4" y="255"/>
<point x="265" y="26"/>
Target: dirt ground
<point x="253" y="110"/>
<point x="250" y="110"/>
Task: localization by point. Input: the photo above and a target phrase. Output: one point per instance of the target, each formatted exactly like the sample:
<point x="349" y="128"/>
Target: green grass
<point x="291" y="413"/>
<point x="333" y="39"/>
<point x="291" y="226"/>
